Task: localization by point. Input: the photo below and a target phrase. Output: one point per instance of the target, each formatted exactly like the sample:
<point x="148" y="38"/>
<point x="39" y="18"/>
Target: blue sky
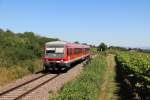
<point x="115" y="22"/>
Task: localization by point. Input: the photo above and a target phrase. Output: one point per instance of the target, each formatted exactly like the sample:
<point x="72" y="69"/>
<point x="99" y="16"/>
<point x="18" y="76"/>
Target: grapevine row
<point x="135" y="66"/>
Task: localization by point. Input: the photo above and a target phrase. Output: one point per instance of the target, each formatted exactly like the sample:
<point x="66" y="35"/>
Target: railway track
<point x="21" y="90"/>
<point x="37" y="88"/>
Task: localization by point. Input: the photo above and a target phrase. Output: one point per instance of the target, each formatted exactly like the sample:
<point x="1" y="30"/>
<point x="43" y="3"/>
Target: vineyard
<point x="135" y="67"/>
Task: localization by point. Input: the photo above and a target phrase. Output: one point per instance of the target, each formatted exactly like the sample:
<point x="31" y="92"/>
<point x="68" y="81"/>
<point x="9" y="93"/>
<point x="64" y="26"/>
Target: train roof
<point x="56" y="42"/>
<point x="64" y="43"/>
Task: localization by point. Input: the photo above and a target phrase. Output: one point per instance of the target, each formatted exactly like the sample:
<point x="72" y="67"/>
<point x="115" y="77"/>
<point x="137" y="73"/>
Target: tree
<point x="77" y="42"/>
<point x="84" y="44"/>
<point x="102" y="47"/>
<point x="118" y="48"/>
<point x="1" y="30"/>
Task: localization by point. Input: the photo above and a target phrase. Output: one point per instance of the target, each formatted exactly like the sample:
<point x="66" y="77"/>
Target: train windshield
<point x="55" y="52"/>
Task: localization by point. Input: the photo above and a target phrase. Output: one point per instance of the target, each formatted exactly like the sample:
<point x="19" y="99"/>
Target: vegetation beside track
<point x="109" y="87"/>
<point x="134" y="69"/>
<point x="87" y="85"/>
<point x="20" y="54"/>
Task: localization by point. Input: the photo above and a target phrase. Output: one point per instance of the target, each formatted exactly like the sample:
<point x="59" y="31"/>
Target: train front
<point x="54" y="56"/>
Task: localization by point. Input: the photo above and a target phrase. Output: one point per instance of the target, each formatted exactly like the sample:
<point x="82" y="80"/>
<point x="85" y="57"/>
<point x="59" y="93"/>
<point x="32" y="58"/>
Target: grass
<point x="87" y="85"/>
<point x="112" y="87"/>
<point x="9" y="74"/>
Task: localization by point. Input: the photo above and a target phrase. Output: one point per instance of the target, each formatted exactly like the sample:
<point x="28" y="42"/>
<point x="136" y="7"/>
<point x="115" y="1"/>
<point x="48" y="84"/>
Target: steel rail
<point x="29" y="91"/>
<point x="20" y="85"/>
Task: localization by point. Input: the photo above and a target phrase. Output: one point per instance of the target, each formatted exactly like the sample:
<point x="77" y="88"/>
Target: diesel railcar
<point x="60" y="54"/>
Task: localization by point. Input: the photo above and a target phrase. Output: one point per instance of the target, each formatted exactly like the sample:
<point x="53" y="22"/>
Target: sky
<point x="114" y="22"/>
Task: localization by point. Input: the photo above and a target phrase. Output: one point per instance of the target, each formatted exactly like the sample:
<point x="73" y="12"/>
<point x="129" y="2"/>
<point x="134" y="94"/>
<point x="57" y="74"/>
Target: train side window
<point x="87" y="50"/>
<point x="77" y="50"/>
<point x="69" y="51"/>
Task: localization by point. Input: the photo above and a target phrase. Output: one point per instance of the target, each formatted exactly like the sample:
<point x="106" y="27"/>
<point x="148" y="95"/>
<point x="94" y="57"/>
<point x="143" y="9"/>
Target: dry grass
<point x="38" y="65"/>
<point x="7" y="75"/>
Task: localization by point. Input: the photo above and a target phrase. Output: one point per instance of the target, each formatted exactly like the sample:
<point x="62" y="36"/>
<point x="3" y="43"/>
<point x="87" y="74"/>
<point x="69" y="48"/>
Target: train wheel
<point x="45" y="68"/>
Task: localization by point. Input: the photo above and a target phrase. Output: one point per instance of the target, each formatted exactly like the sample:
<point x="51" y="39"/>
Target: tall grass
<point x="9" y="74"/>
<point x="87" y="85"/>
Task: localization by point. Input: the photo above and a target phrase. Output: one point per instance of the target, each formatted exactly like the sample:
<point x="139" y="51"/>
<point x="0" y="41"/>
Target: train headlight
<point x="62" y="61"/>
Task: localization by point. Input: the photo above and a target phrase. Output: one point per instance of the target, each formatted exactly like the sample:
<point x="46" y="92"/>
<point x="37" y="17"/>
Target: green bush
<point x="17" y="47"/>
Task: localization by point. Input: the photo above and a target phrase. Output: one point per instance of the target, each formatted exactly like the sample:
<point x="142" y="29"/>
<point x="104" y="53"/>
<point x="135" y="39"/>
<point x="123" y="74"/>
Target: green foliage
<point x="137" y="66"/>
<point x="102" y="47"/>
<point x="118" y="48"/>
<point x="29" y="65"/>
<point x="15" y="48"/>
<point x="86" y="85"/>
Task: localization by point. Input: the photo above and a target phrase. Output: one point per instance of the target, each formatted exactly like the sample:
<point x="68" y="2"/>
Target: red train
<point x="60" y="54"/>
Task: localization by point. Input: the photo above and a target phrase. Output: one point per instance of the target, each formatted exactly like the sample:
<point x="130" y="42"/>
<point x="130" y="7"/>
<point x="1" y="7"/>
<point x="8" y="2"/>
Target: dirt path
<point x="107" y="87"/>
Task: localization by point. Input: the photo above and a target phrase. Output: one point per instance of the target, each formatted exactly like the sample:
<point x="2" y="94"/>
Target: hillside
<point x="19" y="53"/>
